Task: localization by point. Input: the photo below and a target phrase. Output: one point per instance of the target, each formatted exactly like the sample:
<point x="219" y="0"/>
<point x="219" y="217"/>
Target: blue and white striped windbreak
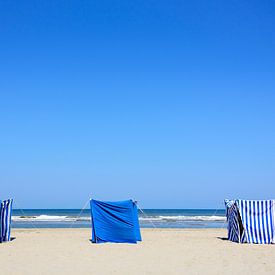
<point x="235" y="228"/>
<point x="258" y="220"/>
<point x="5" y="220"/>
<point x="251" y="221"/>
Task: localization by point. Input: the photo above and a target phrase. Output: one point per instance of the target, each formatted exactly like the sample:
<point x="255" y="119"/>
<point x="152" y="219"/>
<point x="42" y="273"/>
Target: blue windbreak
<point x="258" y="220"/>
<point x="115" y="222"/>
<point x="5" y="220"/>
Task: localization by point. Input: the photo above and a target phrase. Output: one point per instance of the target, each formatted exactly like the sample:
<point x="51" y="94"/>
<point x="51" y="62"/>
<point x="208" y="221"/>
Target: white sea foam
<point x="184" y="218"/>
<point x="51" y="218"/>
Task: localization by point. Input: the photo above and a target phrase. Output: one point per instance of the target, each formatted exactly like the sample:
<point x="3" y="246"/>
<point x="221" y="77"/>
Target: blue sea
<point x="148" y="218"/>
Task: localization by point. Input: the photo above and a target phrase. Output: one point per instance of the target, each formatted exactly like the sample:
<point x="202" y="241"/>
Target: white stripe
<point x="261" y="221"/>
<point x="269" y="221"/>
<point x="265" y="224"/>
<point x="247" y="210"/>
<point x="255" y="215"/>
<point x="253" y="222"/>
<point x="244" y="219"/>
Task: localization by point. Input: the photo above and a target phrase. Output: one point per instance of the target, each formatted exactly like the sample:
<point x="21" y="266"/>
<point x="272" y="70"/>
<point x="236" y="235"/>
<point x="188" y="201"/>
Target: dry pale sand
<point x="169" y="251"/>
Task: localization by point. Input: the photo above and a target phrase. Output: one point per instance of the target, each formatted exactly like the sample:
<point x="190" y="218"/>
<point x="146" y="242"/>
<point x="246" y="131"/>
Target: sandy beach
<point x="163" y="251"/>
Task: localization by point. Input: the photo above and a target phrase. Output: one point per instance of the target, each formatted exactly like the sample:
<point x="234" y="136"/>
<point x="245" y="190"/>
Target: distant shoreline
<point x="148" y="218"/>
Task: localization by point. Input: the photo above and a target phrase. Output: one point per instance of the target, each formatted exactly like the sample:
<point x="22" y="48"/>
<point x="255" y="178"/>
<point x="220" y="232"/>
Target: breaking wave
<point x="184" y="218"/>
<point x="49" y="218"/>
<point x="52" y="218"/>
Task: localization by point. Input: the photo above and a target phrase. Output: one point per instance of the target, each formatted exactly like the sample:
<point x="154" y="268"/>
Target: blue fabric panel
<point x="234" y="227"/>
<point x="114" y="222"/>
<point x="258" y="220"/>
<point x="136" y="222"/>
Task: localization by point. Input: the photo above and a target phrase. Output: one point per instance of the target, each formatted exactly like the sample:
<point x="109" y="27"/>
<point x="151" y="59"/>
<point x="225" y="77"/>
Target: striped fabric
<point x="258" y="220"/>
<point x="235" y="228"/>
<point x="228" y="205"/>
<point x="5" y="220"/>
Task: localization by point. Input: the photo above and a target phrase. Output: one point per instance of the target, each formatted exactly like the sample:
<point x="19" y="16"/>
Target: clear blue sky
<point x="168" y="102"/>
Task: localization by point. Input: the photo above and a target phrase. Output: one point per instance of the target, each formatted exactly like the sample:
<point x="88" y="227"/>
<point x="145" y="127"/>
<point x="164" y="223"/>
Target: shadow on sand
<point x="12" y="239"/>
<point x="222" y="238"/>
